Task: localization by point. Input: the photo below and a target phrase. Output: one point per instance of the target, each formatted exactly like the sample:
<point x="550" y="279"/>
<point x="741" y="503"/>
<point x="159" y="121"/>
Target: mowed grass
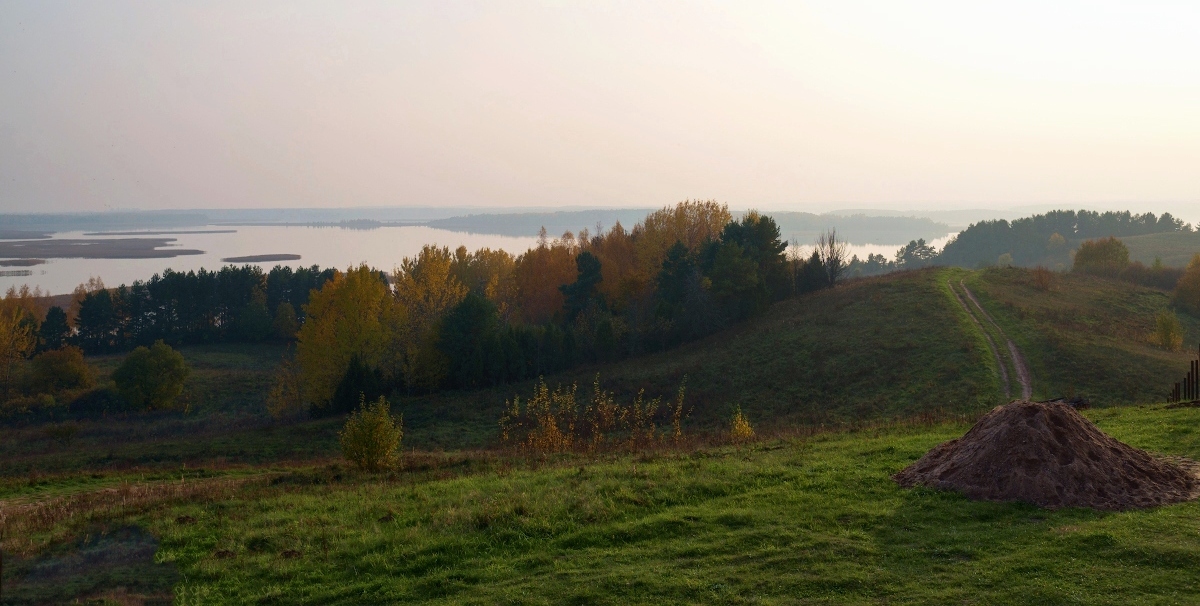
<point x="798" y="521"/>
<point x="1086" y="335"/>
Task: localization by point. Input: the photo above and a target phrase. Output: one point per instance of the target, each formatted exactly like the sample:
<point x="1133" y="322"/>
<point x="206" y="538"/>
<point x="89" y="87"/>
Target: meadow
<point x="801" y="518"/>
<point x="218" y="503"/>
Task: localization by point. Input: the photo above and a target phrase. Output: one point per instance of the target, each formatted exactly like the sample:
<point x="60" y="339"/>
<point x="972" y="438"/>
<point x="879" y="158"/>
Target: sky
<point x="773" y="105"/>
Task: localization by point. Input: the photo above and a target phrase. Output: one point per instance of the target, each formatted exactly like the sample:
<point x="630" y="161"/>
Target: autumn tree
<point x="426" y="288"/>
<point x="352" y="315"/>
<point x="17" y="341"/>
<point x="1105" y="257"/>
<point x="538" y="274"/>
<point x="1187" y="290"/>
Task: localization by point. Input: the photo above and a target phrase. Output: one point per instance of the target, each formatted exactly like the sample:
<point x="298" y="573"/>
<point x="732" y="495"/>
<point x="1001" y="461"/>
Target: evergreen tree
<point x="55" y="329"/>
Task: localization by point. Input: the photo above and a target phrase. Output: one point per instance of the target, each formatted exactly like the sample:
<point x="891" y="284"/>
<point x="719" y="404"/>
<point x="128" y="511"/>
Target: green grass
<point x="1175" y="249"/>
<point x="786" y="521"/>
<point x="1087" y="336"/>
<point x="799" y="520"/>
<point x="888" y="347"/>
<point x="893" y="346"/>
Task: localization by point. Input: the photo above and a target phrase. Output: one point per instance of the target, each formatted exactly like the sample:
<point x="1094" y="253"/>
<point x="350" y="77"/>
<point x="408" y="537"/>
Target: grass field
<point x="1175" y="249"/>
<point x="812" y="519"/>
<point x="1087" y="336"/>
<point x="218" y="504"/>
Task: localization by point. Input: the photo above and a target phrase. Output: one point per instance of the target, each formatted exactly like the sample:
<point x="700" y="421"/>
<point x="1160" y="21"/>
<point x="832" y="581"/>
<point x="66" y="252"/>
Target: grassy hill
<point x="218" y="504"/>
<point x="1087" y="336"/>
<point x="894" y="346"/>
<point x="1175" y="249"/>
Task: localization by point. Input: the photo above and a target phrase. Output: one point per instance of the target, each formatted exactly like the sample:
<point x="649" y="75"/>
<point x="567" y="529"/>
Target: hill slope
<point x="1087" y="335"/>
<point x="1175" y="249"/>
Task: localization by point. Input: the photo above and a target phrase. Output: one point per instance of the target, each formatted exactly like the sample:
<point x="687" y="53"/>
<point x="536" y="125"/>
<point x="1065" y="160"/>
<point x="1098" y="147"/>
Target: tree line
<point x="460" y="320"/>
<point x="457" y="319"/>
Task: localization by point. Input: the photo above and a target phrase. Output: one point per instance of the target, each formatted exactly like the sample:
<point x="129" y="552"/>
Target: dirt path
<point x="1018" y="360"/>
<point x="991" y="344"/>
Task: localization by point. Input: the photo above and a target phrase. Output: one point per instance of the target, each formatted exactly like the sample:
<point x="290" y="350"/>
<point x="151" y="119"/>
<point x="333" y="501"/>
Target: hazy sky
<point x="805" y="106"/>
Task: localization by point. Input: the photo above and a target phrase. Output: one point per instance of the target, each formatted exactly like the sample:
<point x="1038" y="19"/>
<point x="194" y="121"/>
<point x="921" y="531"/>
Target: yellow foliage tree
<point x="17" y="341"/>
<point x="352" y="315"/>
<point x="426" y="288"/>
<point x="1187" y="290"/>
<point x="692" y="222"/>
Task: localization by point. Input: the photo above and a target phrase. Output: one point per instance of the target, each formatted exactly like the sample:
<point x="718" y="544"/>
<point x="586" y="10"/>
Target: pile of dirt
<point x="1048" y="454"/>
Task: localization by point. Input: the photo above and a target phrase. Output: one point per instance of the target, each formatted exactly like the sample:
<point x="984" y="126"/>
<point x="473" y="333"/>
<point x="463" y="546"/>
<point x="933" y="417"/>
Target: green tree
<point x="151" y="378"/>
<point x="254" y="321"/>
<point x="360" y="382"/>
<point x="735" y="282"/>
<point x="285" y="324"/>
<point x="581" y="294"/>
<point x="55" y="329"/>
<point x="469" y="338"/>
<point x="1105" y="257"/>
<point x="915" y="254"/>
<point x="59" y="369"/>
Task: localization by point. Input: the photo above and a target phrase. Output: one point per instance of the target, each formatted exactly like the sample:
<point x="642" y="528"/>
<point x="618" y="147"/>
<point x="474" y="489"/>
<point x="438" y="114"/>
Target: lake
<point x="381" y="247"/>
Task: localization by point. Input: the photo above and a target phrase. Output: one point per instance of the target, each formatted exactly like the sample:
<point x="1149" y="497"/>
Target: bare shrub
<point x="1043" y="279"/>
<point x="552" y="421"/>
<point x="371" y="437"/>
<point x="833" y="255"/>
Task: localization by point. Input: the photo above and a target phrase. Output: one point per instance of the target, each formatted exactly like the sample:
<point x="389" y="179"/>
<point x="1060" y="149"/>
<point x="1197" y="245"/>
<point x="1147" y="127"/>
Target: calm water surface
<point x="339" y="247"/>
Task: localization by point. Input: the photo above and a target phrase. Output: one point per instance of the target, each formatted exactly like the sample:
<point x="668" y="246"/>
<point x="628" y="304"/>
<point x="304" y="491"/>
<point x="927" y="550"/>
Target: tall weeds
<point x="553" y="421"/>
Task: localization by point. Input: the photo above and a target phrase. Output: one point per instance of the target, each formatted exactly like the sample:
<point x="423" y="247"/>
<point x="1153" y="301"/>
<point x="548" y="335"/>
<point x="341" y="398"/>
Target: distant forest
<point x="1048" y="239"/>
<point x="794" y="227"/>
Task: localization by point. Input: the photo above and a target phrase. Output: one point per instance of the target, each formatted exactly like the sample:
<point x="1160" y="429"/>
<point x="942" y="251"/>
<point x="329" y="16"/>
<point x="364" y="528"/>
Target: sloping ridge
<point x="1049" y="455"/>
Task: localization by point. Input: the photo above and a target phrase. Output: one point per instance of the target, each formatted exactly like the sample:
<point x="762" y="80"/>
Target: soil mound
<point x="1048" y="454"/>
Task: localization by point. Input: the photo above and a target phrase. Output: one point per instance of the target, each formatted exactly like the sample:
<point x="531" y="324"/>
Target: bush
<point x="58" y="370"/>
<point x="285" y="402"/>
<point x="1155" y="276"/>
<point x="371" y="437"/>
<point x="740" y="430"/>
<point x="1187" y="290"/>
<point x="151" y="378"/>
<point x="102" y="400"/>
<point x="1168" y="333"/>
<point x="552" y="421"/>
<point x="1043" y="279"/>
<point x="1106" y="257"/>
